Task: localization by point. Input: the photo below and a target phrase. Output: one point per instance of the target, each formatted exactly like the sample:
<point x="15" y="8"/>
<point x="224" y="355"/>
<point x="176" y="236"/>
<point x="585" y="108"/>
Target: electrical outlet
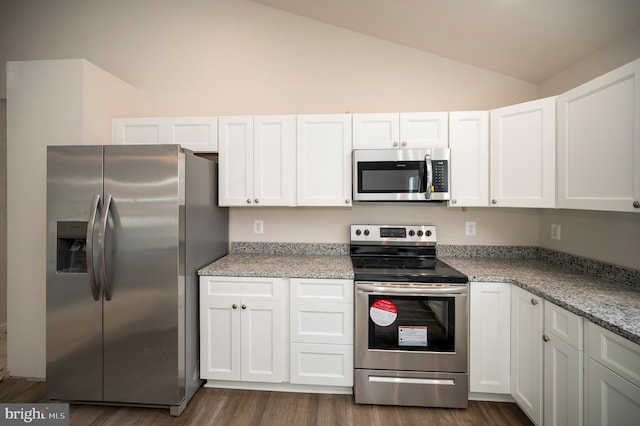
<point x="258" y="227"/>
<point x="555" y="231"/>
<point x="470" y="229"/>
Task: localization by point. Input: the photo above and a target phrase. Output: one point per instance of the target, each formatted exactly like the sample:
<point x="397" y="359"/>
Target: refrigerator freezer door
<point x="143" y="337"/>
<point x="74" y="317"/>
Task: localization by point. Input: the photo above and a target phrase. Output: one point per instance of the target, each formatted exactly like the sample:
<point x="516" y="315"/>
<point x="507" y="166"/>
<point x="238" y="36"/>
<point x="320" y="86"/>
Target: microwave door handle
<point x="427" y="160"/>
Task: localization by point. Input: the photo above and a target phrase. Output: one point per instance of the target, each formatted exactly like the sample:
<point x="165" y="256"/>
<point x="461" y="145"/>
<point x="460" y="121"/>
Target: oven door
<point x="411" y="326"/>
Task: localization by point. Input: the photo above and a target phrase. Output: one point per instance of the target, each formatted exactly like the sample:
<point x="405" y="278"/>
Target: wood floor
<point x="237" y="407"/>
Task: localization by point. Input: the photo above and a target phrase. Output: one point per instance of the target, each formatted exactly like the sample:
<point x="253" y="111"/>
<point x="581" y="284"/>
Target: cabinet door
<point x="219" y="337"/>
<point x="263" y="346"/>
<point x="376" y="131"/>
<point x="139" y="131"/>
<point x="274" y="160"/>
<point x="599" y="143"/>
<point x="563" y="386"/>
<point x="324" y="160"/>
<point x="235" y="161"/>
<point x="523" y="154"/>
<point x="489" y="341"/>
<point x="611" y="400"/>
<point x="527" y="352"/>
<point x="199" y="134"/>
<point x="424" y="130"/>
<point x="469" y="143"/>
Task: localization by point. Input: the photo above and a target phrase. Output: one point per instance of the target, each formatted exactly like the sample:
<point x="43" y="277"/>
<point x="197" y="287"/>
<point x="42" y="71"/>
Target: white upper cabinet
<point x="400" y="130"/>
<point x="599" y="143"/>
<point x="522" y="154"/>
<point x="199" y="134"/>
<point x="324" y="160"/>
<point x="257" y="161"/>
<point x="469" y="143"/>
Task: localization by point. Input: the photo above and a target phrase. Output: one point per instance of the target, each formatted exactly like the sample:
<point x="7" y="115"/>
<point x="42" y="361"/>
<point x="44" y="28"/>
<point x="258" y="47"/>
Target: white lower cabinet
<point x="612" y="379"/>
<point x="527" y="352"/>
<point x="489" y="337"/>
<point x="321" y="332"/>
<point x="563" y="366"/>
<point x="242" y="324"/>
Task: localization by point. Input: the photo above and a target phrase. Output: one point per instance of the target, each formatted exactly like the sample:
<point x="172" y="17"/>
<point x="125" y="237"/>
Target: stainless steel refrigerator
<point x="127" y="229"/>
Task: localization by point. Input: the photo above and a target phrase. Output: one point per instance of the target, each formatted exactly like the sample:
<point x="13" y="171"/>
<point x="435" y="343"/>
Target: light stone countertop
<point x="611" y="305"/>
<point x="286" y="266"/>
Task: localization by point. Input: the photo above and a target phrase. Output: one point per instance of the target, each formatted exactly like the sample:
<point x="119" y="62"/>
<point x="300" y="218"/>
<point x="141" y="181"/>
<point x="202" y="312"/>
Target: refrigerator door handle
<point x="106" y="290"/>
<point x="93" y="285"/>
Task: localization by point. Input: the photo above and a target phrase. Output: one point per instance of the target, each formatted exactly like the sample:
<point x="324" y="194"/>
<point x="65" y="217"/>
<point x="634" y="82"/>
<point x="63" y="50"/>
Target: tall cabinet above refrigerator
<point x="127" y="229"/>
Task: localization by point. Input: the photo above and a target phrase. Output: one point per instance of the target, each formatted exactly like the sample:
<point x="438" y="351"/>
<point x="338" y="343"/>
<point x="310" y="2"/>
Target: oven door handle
<point x="437" y="290"/>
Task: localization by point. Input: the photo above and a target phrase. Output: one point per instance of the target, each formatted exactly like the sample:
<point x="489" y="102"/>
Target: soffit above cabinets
<point x="531" y="40"/>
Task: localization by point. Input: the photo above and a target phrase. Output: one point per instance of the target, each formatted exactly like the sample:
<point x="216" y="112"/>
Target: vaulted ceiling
<point x="530" y="40"/>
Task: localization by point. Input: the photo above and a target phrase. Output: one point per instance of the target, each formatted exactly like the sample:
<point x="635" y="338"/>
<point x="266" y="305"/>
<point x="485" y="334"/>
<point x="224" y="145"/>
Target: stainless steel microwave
<point x="401" y="174"/>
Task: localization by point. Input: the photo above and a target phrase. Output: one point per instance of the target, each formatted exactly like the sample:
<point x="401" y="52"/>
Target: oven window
<point x="391" y="177"/>
<point x="412" y="323"/>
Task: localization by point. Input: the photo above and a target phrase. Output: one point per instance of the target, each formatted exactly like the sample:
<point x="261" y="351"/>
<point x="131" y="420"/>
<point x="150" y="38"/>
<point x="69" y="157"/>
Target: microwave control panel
<point x="440" y="175"/>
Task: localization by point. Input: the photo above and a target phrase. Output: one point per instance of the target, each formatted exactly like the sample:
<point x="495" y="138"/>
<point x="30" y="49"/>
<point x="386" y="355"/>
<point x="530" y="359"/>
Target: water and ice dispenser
<point x="71" y="250"/>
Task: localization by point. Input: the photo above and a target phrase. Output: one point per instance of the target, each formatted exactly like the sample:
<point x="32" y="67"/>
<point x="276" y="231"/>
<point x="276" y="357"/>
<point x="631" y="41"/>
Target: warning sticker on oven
<point x="412" y="335"/>
<point x="383" y="312"/>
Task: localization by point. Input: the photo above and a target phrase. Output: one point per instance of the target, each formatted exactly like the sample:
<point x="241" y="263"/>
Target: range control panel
<point x="423" y="234"/>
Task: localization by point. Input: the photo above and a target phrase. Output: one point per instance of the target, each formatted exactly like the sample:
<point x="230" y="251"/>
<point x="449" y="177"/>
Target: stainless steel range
<point x="411" y="319"/>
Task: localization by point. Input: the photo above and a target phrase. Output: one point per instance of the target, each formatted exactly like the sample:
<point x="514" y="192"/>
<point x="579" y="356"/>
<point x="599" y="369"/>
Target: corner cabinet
<point x="324" y="160"/>
<point x="242" y="329"/>
<point x="599" y="143"/>
<point x="527" y="319"/>
<point x="321" y="332"/>
<point x="199" y="134"/>
<point x="469" y="144"/>
<point x="257" y="161"/>
<point x="522" y="154"/>
<point x="400" y="130"/>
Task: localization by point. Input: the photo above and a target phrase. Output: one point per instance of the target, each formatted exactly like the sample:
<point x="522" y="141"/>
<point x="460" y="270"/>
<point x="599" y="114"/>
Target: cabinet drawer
<point x="271" y="288"/>
<point x="321" y="290"/>
<point x="322" y="323"/>
<point x="329" y="365"/>
<point x="563" y="324"/>
<point x="614" y="352"/>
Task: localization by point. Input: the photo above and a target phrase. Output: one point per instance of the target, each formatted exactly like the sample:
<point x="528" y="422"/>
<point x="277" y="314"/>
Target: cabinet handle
<point x="545" y="338"/>
<point x="404" y="144"/>
<point x="636" y="204"/>
<point x="234" y="306"/>
<point x="244" y="306"/>
<point x="534" y="302"/>
<point x="395" y="144"/>
<point x="248" y="201"/>
<point x="494" y="201"/>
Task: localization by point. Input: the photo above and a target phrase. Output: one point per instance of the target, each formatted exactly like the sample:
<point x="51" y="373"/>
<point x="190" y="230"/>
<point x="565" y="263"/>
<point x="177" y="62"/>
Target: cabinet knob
<point x="454" y="201"/>
<point x="248" y="201"/>
<point x="234" y="306"/>
<point x="534" y="302"/>
<point x="404" y="144"/>
<point x="347" y="201"/>
<point x="494" y="201"/>
<point x="395" y="144"/>
<point x="256" y="201"/>
<point x="545" y="338"/>
<point x="636" y="204"/>
<point x="244" y="306"/>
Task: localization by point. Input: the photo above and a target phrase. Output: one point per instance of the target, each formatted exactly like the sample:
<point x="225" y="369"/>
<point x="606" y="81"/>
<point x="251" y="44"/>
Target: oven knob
<point x="412" y="233"/>
<point x="428" y="233"/>
<point x="420" y="233"/>
<point x="358" y="232"/>
<point x="366" y="232"/>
